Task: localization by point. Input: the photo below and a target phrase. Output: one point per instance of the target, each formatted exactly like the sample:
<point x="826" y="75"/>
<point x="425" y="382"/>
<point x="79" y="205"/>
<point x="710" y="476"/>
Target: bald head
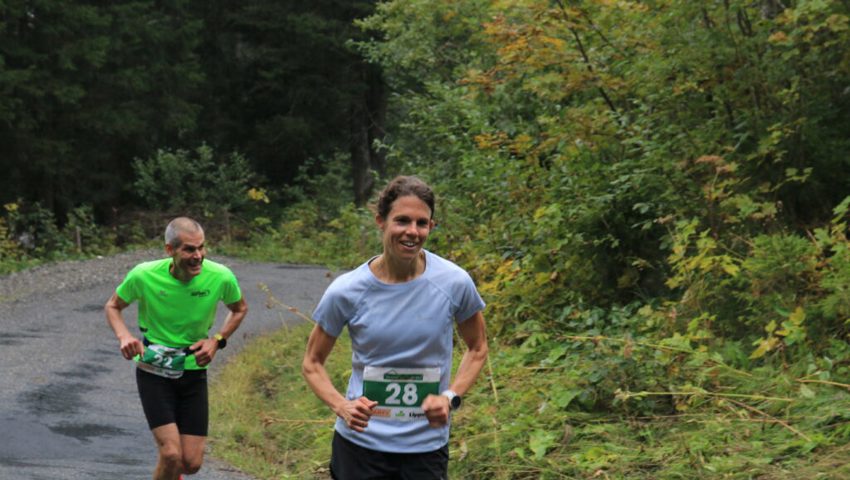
<point x="178" y="226"/>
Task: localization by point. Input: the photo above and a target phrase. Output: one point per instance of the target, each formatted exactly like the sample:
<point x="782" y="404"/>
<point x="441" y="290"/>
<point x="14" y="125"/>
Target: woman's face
<point x="406" y="227"/>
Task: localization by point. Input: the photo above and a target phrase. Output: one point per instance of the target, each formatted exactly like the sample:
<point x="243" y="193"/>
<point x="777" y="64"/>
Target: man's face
<point x="188" y="258"/>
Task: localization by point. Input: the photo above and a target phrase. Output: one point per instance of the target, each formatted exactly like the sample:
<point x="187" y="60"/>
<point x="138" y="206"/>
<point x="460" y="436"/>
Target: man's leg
<point x="169" y="464"/>
<point x="193" y="419"/>
<point x="159" y="400"/>
<point x="193" y="452"/>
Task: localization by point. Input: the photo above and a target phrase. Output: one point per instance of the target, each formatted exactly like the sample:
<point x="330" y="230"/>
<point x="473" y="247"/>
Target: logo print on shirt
<point x="200" y="293"/>
<point x="163" y="293"/>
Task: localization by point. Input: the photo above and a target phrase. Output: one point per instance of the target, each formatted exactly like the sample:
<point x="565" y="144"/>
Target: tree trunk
<point x="771" y="8"/>
<point x="377" y="103"/>
<point x="367" y="119"/>
<point x="359" y="146"/>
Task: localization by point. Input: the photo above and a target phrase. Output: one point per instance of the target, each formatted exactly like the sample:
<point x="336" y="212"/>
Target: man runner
<point x="178" y="297"/>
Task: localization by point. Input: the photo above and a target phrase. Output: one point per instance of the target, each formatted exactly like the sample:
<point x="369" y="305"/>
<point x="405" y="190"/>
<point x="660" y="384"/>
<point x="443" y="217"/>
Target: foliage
<point x="320" y="226"/>
<point x="10" y="249"/>
<point x="282" y="80"/>
<point x="595" y="154"/>
<point x="195" y="181"/>
<point x="87" y="86"/>
<point x="30" y="234"/>
<point x="341" y="238"/>
<point x="36" y="229"/>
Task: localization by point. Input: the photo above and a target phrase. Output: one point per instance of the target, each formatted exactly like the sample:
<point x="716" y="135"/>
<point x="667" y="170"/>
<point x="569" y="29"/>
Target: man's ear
<point x="379" y="220"/>
<point x="169" y="249"/>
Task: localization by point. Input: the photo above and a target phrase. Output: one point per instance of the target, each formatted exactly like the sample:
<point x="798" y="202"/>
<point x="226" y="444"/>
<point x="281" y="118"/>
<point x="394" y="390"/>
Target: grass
<point x="265" y="420"/>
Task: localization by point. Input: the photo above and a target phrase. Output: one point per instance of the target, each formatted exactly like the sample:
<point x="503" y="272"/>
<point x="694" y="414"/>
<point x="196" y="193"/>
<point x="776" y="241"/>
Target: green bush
<point x="36" y="230"/>
<point x="180" y="180"/>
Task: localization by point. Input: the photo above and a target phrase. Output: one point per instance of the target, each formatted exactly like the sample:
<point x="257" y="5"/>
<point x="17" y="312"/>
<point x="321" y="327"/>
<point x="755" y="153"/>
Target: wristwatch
<point x="454" y="399"/>
<point x="222" y="342"/>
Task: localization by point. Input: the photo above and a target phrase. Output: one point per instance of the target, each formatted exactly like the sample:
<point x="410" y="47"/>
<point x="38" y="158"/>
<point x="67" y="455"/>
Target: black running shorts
<point x="182" y="401"/>
<point x="350" y="461"/>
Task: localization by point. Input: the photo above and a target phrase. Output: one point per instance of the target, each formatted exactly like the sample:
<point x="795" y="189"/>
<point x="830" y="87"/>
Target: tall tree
<point x="86" y="87"/>
<point x="288" y="87"/>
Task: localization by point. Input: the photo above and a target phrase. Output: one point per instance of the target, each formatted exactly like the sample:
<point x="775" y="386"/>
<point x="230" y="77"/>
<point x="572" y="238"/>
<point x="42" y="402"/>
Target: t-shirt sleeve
<point x="332" y="313"/>
<point x="468" y="298"/>
<point x="231" y="292"/>
<point x="128" y="290"/>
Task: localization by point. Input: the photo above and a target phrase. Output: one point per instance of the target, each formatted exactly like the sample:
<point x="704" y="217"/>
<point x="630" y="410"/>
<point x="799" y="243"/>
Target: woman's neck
<point x="389" y="271"/>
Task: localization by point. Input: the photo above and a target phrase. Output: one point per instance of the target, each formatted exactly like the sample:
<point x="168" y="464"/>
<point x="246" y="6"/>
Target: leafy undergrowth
<point x="551" y="410"/>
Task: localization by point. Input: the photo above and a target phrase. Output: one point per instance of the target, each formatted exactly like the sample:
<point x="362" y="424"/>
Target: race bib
<point x="163" y="361"/>
<point x="400" y="391"/>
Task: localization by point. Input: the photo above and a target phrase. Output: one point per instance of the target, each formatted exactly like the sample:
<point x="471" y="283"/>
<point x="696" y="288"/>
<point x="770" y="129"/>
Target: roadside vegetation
<point x="653" y="201"/>
<point x="564" y="411"/>
<point x="651" y="196"/>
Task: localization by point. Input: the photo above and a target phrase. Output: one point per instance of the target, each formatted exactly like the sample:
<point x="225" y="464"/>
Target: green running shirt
<point x="173" y="313"/>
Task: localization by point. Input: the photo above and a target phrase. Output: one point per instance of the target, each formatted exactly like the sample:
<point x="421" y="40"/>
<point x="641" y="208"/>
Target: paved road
<point x="68" y="402"/>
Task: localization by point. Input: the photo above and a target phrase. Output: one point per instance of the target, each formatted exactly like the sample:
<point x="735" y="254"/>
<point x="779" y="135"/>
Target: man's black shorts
<point x="350" y="461"/>
<point x="182" y="401"/>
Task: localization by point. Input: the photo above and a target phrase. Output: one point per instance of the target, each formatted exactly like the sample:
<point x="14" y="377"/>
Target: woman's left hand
<point x="436" y="408"/>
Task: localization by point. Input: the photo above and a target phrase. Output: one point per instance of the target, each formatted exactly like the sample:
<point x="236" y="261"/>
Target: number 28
<point x="408" y="398"/>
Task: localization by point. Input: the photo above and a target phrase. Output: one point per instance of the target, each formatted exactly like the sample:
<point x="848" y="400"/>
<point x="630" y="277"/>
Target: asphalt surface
<point x="68" y="402"/>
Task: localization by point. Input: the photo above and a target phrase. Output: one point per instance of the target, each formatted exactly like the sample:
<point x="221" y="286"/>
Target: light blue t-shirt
<point x="406" y="325"/>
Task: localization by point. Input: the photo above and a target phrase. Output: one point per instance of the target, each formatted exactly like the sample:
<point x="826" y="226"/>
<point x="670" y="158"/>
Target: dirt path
<point x="68" y="402"/>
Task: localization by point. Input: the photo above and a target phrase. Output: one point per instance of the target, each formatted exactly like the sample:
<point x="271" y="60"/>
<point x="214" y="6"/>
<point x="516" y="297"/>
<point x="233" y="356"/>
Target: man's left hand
<point x="204" y="351"/>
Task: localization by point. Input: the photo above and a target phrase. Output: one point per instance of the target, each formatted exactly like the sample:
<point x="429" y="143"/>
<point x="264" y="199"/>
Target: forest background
<point x="651" y="195"/>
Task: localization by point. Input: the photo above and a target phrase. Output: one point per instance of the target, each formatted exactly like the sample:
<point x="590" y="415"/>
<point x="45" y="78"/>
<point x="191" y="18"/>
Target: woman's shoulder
<point x="440" y="265"/>
<point x="352" y="280"/>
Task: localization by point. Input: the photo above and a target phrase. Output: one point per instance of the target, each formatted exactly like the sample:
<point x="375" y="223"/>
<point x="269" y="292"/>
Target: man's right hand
<point x="131" y="346"/>
<point x="356" y="413"/>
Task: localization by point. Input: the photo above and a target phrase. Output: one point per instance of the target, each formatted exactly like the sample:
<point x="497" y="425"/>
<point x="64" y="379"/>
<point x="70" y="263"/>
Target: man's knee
<point x="192" y="465"/>
<point x="171" y="456"/>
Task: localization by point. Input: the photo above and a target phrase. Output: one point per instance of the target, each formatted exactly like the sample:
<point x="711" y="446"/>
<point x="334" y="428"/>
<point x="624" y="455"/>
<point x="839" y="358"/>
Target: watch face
<point x="455" y="402"/>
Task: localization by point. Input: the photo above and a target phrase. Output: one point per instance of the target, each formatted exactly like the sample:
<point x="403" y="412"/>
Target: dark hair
<point x="403" y="186"/>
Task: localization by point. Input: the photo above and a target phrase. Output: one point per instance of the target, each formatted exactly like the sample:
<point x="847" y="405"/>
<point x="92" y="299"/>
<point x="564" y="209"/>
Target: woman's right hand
<point x="356" y="413"/>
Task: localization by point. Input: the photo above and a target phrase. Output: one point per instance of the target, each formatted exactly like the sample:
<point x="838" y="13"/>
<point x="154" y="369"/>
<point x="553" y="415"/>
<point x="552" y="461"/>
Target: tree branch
<point x="586" y="58"/>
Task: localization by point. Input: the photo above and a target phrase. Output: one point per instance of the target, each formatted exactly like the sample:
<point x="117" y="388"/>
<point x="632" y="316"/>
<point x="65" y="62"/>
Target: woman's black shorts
<point x="182" y="401"/>
<point x="350" y="461"/>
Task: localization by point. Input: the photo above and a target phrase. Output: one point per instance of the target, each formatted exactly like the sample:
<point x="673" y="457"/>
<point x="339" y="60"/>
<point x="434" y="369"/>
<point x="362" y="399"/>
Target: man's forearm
<point x="235" y="315"/>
